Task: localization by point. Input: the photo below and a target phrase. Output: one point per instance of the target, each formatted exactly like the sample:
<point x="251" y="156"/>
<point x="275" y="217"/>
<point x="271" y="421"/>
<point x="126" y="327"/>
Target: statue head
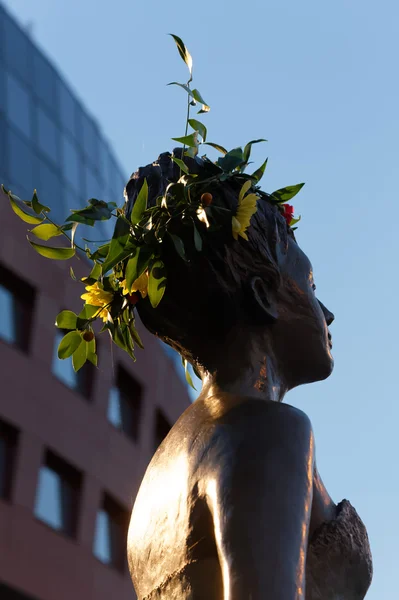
<point x="238" y="299"/>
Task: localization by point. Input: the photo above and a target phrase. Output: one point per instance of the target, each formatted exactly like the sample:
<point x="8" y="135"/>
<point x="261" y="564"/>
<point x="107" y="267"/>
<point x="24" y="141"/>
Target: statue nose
<point x="327" y="314"/>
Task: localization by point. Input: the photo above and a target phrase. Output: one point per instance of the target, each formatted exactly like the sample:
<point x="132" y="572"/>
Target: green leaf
<point x="258" y="174"/>
<point x="95" y="273"/>
<point x="217" y="147"/>
<point x="156" y="283"/>
<point x="117" y="251"/>
<point x="187" y="372"/>
<point x="98" y="210"/>
<point x="133" y="266"/>
<point x="197" y="96"/>
<point x="197" y="239"/>
<point x="248" y="148"/>
<point x="181" y="164"/>
<point x="188" y="140"/>
<point x="79" y="356"/>
<point x="78" y="218"/>
<point x="198" y="126"/>
<point x="68" y="344"/>
<point x="55" y="253"/>
<point x="135" y="335"/>
<point x="140" y="205"/>
<point x="205" y="109"/>
<point x="231" y="160"/>
<point x="91" y="351"/>
<point x="86" y="314"/>
<point x="27" y="218"/>
<point x="37" y="207"/>
<point x="184" y="53"/>
<point x="72" y="274"/>
<point x="66" y="319"/>
<point x="182" y="85"/>
<point x="46" y="231"/>
<point x="294" y="221"/>
<point x="285" y="194"/>
<point x="178" y="243"/>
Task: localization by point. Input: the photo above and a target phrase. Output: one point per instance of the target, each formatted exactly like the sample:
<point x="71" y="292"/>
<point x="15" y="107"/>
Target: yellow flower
<point x="96" y="296"/>
<point x="139" y="285"/>
<point x="246" y="208"/>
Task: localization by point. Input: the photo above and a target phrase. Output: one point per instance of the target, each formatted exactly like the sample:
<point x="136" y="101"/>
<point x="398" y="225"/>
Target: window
<point x="124" y="404"/>
<point x="21" y="163"/>
<point x="16" y="309"/>
<point x="68" y="109"/>
<point x="71" y="162"/>
<point x="46" y="81"/>
<point x="19" y="106"/>
<point x="48" y="136"/>
<point x="8" y="446"/>
<point x="89" y="138"/>
<point x="94" y="187"/>
<point x="62" y="368"/>
<point x="111" y="533"/>
<point x="57" y="494"/>
<point x="50" y="191"/>
<point x="18" y="49"/>
<point x="162" y="427"/>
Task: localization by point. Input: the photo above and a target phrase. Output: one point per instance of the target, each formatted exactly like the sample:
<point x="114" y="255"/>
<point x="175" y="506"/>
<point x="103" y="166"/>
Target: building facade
<point x="73" y="447"/>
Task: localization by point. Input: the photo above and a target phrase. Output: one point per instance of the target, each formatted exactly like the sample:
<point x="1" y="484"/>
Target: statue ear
<point x="264" y="298"/>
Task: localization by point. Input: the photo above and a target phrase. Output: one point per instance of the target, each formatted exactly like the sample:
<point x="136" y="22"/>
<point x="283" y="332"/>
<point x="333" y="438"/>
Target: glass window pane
<point x="68" y="109"/>
<point x="18" y="49"/>
<point x="102" y="538"/>
<point x="7" y="316"/>
<point x="89" y="139"/>
<point x="50" y="191"/>
<point x="21" y="163"/>
<point x="46" y="81"/>
<point x="114" y="408"/>
<point x="63" y="369"/>
<point x="71" y="163"/>
<point x="48" y="135"/>
<point x="3" y="104"/>
<point x="48" y="506"/>
<point x="19" y="106"/>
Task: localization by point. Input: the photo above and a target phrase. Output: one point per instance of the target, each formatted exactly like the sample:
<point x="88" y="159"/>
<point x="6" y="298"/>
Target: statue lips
<point x="330" y="340"/>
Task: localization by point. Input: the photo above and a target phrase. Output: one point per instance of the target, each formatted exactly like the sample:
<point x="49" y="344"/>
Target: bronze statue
<point x="232" y="506"/>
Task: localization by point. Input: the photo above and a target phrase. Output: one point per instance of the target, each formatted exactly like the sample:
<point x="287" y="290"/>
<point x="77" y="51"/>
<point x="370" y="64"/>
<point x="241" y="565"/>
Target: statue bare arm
<point x="261" y="499"/>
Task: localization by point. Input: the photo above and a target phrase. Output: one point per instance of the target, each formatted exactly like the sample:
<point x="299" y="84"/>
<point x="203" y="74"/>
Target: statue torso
<point x="172" y="547"/>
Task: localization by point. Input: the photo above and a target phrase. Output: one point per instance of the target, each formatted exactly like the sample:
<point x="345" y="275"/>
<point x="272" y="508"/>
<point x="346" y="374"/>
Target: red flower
<point x="288" y="212"/>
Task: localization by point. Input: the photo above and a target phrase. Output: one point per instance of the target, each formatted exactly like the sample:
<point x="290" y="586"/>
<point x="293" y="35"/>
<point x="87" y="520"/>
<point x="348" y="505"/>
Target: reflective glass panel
<point x="7" y="316"/>
<point x="114" y="408"/>
<point x="63" y="369"/>
<point x="21" y="163"/>
<point x="50" y="191"/>
<point x="19" y="106"/>
<point x="46" y="81"/>
<point x="48" y="135"/>
<point x="102" y="538"/>
<point x="68" y="109"/>
<point x="89" y="138"/>
<point x="71" y="163"/>
<point x="18" y="49"/>
<point x="48" y="506"/>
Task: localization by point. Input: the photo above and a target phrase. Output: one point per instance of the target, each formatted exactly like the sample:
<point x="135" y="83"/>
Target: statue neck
<point x="244" y="369"/>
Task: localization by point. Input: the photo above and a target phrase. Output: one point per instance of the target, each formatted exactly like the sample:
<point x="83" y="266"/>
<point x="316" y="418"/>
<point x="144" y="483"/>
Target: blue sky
<point x="319" y="81"/>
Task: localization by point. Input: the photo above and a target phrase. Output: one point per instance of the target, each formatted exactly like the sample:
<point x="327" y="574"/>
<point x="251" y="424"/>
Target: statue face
<point x="302" y="337"/>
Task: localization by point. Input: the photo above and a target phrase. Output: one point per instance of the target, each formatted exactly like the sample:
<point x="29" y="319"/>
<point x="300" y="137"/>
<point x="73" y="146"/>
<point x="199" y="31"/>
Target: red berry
<point x="133" y="298"/>
<point x="206" y="199"/>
